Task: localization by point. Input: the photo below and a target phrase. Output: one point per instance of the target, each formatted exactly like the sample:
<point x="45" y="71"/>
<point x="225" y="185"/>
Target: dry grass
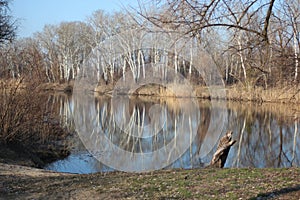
<point x="30" y="133"/>
<point x="25" y="183"/>
<point x="238" y="92"/>
<point x="289" y="94"/>
<point x="24" y="119"/>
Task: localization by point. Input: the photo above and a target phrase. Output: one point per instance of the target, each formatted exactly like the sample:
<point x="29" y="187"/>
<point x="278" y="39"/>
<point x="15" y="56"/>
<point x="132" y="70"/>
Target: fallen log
<point x="220" y="156"/>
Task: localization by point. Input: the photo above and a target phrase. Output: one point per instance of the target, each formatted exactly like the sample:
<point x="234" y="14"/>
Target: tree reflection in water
<point x="267" y="135"/>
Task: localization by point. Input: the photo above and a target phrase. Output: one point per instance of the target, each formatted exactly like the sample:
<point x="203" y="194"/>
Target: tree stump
<point x="220" y="156"/>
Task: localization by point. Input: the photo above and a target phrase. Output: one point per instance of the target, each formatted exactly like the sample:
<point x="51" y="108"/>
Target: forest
<point x="253" y="43"/>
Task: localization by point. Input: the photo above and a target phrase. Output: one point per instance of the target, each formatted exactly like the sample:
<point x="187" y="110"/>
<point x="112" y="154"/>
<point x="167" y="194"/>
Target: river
<point x="147" y="133"/>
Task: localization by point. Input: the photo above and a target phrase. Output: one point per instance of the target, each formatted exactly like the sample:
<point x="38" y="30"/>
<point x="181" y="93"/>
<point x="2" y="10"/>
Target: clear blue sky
<point x="33" y="15"/>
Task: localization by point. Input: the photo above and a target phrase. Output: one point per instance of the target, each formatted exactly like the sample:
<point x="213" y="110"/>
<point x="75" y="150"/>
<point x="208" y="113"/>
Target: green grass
<point x="164" y="184"/>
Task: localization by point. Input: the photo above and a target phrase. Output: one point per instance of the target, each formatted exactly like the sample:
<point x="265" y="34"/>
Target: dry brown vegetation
<point x="26" y="125"/>
<point x="284" y="94"/>
<point x="23" y="114"/>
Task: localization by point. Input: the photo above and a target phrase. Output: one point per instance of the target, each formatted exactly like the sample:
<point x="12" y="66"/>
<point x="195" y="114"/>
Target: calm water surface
<point x="267" y="135"/>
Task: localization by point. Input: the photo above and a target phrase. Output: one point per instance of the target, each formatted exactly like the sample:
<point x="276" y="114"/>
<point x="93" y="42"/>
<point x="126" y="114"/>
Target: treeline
<point x="252" y="42"/>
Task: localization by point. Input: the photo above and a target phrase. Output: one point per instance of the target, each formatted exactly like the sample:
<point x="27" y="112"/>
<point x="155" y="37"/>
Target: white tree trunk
<point x="175" y="60"/>
<point x="296" y="52"/>
<point x="124" y="68"/>
<point x="241" y="57"/>
<point x="191" y="58"/>
<point x="226" y="71"/>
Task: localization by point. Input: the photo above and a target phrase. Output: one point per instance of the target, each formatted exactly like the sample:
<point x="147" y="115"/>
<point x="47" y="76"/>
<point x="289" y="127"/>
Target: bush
<point x="25" y="120"/>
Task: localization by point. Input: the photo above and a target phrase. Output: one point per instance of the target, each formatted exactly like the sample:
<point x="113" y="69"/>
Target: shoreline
<point x="238" y="92"/>
<point x="284" y="95"/>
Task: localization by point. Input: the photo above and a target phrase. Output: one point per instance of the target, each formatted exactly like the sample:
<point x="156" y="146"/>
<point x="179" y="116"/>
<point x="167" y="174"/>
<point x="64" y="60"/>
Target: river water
<point x="147" y="133"/>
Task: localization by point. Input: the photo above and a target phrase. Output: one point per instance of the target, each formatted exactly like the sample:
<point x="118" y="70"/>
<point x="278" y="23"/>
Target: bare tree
<point x="65" y="47"/>
<point x="243" y="28"/>
<point x="197" y="16"/>
<point x="7" y="25"/>
<point x="48" y="47"/>
<point x="292" y="12"/>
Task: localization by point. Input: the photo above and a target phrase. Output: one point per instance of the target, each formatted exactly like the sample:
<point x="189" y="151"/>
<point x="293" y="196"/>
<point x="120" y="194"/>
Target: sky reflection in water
<point x="267" y="135"/>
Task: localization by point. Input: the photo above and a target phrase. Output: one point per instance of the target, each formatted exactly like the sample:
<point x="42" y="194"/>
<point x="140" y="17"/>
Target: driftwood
<point x="220" y="156"/>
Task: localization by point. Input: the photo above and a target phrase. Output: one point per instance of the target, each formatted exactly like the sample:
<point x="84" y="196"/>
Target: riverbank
<point x="283" y="94"/>
<point x="18" y="182"/>
<point x="37" y="154"/>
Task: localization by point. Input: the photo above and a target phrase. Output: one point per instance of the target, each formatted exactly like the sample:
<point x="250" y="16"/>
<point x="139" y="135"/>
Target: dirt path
<point x="17" y="182"/>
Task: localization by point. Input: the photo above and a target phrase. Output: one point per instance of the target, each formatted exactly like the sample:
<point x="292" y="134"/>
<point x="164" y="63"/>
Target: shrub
<point x="24" y="119"/>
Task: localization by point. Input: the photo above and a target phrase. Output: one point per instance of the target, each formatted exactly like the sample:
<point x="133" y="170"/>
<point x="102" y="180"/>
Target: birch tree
<point x="292" y="12"/>
<point x="64" y="46"/>
<point x="48" y="47"/>
<point x="73" y="47"/>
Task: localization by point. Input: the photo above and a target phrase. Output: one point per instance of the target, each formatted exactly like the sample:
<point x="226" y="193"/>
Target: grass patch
<point x="164" y="184"/>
